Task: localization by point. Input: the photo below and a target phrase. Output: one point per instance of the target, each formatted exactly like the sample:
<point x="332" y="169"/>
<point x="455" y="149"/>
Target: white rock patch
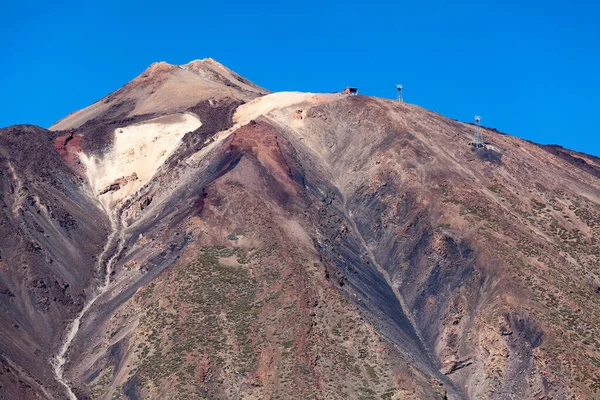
<point x="266" y="104"/>
<point x="137" y="149"/>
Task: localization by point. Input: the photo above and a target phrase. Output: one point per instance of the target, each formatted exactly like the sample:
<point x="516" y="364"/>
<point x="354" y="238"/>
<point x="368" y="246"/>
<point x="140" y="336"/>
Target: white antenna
<point x="399" y="87"/>
<point x="478" y="138"/>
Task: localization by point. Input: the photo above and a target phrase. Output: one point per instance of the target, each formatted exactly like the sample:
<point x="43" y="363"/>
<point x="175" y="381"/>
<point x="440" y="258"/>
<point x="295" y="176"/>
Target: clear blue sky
<point x="529" y="68"/>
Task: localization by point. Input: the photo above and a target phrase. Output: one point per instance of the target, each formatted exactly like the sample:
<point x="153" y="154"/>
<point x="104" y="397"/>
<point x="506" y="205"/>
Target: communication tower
<point x="399" y="87"/>
<point x="478" y="138"/>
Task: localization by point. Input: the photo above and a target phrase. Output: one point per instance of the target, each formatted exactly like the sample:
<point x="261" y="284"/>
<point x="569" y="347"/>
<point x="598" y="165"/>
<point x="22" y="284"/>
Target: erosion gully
<point x="105" y="263"/>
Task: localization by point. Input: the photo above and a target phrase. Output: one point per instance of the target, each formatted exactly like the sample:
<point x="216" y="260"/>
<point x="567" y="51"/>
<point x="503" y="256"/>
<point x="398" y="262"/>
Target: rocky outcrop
<point x="118" y="184"/>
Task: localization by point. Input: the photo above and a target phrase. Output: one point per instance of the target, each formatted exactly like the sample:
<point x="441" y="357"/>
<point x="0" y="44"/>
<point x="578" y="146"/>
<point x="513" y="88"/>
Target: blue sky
<point x="529" y="68"/>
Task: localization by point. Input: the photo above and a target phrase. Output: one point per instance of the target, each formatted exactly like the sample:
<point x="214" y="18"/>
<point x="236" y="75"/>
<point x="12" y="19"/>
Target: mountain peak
<point x="157" y="68"/>
<point x="207" y="60"/>
<point x="164" y="88"/>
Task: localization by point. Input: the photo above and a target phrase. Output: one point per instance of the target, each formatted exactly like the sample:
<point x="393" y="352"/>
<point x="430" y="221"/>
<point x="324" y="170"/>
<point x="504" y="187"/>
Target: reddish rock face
<point x="69" y="147"/>
<point x="259" y="140"/>
<point x="333" y="247"/>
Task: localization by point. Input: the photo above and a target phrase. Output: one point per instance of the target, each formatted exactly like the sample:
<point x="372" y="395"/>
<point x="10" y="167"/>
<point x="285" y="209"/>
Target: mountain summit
<point x="192" y="235"/>
<point x="164" y="88"/>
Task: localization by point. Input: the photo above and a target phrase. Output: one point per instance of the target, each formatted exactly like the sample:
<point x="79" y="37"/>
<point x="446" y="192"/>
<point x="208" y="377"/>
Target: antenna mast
<point x="478" y="138"/>
<point x="399" y="87"/>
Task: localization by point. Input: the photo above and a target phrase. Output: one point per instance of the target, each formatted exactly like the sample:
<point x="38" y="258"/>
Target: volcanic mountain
<point x="193" y="235"/>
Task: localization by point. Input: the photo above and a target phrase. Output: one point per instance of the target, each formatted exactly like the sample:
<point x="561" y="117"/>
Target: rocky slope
<point x="193" y="236"/>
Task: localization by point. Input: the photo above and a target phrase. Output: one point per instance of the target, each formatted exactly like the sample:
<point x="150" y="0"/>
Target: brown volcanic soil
<point x="312" y="247"/>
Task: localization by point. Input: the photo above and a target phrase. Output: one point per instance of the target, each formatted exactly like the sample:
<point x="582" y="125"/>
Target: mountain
<point x="192" y="235"/>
